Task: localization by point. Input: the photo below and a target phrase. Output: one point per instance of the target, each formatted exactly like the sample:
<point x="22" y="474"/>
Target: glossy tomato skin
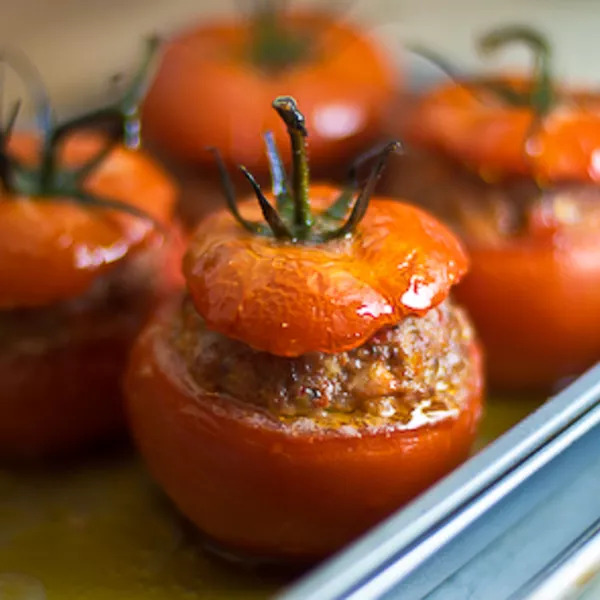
<point x="534" y="296"/>
<point x="400" y="261"/>
<point x="258" y="488"/>
<point x="472" y="125"/>
<point x="77" y="244"/>
<point x="536" y="305"/>
<point x="344" y="86"/>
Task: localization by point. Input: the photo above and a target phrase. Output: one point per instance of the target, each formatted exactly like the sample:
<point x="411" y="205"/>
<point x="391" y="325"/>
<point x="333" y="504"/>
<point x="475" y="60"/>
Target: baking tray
<point x="99" y="528"/>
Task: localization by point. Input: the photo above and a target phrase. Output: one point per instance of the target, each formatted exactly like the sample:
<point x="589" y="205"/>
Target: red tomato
<point x="344" y="84"/>
<point x="327" y="273"/>
<point x="536" y="304"/>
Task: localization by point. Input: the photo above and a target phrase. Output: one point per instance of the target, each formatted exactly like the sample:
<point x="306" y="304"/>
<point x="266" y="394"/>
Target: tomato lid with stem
<point x="313" y="268"/>
<point x="74" y="201"/>
<point x="506" y="126"/>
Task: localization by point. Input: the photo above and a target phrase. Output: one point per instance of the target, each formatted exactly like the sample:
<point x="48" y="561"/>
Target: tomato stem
<point x="45" y="179"/>
<point x="229" y="192"/>
<point x="340" y="207"/>
<point x="274" y="47"/>
<point x="31" y="78"/>
<point x="288" y="110"/>
<point x="5" y="133"/>
<point x="362" y="202"/>
<point x="292" y="220"/>
<point x="280" y="185"/>
<point x="124" y="112"/>
<point x="542" y="95"/>
<point x="436" y="59"/>
<point x="123" y="115"/>
<point x="275" y="222"/>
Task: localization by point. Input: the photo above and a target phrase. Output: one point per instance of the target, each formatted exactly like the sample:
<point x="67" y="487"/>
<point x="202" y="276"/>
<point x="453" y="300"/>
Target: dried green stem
<point x="362" y="202"/>
<point x="288" y="110"/>
<point x="124" y="112"/>
<point x="292" y="220"/>
<point x="229" y="191"/>
<point x="435" y="58"/>
<point x="340" y="207"/>
<point x="542" y="96"/>
<point x="280" y="186"/>
<point x="275" y="222"/>
<point x="47" y="179"/>
<point x="30" y="76"/>
<point x="95" y="201"/>
<point x="273" y="46"/>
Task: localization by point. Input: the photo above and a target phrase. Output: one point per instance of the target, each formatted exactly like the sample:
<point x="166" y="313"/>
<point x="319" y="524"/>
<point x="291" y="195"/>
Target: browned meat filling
<point x="487" y="210"/>
<point x="420" y="363"/>
<point x="116" y="304"/>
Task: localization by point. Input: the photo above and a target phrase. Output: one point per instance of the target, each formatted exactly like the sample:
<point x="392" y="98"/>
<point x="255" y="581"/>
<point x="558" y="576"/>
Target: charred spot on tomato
<point x="45" y="178"/>
<point x="292" y="219"/>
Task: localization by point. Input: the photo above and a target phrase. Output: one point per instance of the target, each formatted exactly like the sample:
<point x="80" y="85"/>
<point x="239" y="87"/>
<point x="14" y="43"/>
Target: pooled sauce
<point x="98" y="528"/>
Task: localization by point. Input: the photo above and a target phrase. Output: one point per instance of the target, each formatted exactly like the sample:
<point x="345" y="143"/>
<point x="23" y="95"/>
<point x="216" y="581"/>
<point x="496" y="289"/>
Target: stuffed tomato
<point x="511" y="163"/>
<point x="84" y="257"/>
<point x="316" y="375"/>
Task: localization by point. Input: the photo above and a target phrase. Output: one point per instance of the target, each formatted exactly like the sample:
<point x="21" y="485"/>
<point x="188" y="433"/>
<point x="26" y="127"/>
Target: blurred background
<point x="78" y="43"/>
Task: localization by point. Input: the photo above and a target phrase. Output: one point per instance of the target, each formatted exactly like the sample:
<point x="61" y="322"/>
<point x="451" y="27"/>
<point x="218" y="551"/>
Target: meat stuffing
<point x="421" y="363"/>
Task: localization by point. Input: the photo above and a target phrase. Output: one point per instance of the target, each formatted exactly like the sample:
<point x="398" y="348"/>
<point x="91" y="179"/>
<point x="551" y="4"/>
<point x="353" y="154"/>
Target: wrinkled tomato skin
<point x="291" y="299"/>
<point x="264" y="491"/>
<point x="535" y="303"/>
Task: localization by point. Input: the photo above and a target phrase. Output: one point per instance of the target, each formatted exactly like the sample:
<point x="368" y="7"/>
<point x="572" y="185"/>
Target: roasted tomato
<point x="334" y="69"/>
<point x="511" y="163"/>
<point x="316" y="375"/>
<point x="84" y="256"/>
